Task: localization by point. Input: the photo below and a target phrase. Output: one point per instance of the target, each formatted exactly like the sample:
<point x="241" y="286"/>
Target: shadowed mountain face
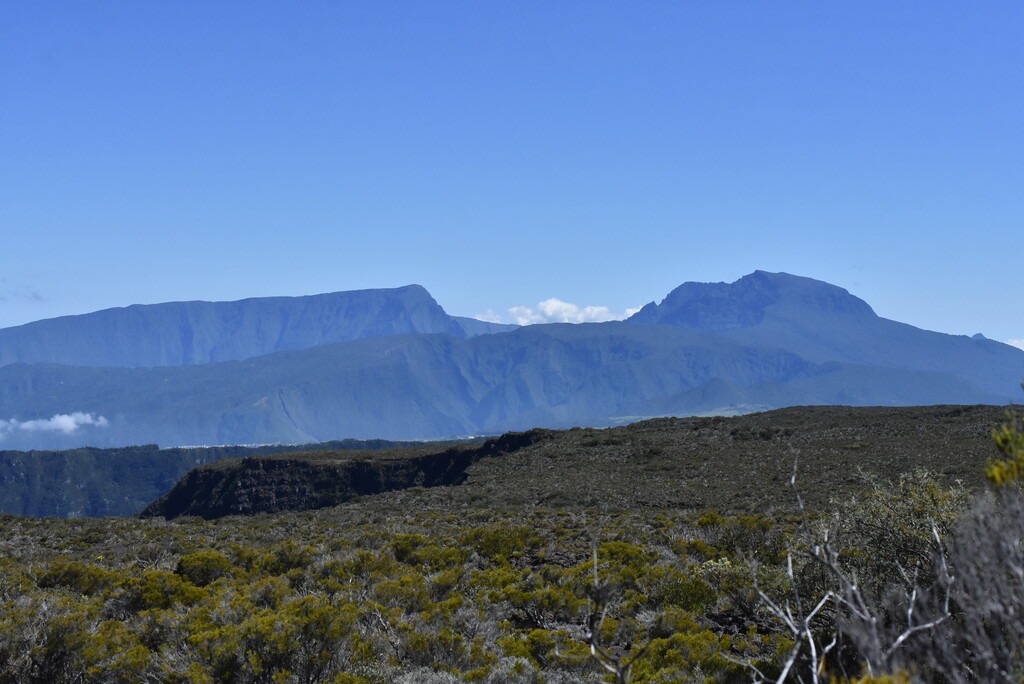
<point x="822" y="323"/>
<point x="185" y="333"/>
<point x="752" y="300"/>
<point x="765" y="341"/>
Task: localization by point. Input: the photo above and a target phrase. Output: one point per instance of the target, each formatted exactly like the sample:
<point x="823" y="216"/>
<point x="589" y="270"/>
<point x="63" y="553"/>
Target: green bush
<point x="204" y="567"/>
<point x="886" y="535"/>
<point x="502" y="541"/>
<point x="78" y="576"/>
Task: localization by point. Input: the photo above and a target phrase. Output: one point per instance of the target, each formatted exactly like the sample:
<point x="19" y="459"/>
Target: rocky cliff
<point x="308" y="481"/>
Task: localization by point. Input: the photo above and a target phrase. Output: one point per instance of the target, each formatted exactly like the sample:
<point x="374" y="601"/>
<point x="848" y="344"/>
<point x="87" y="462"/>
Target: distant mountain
<point x="756" y="300"/>
<point x="823" y="323"/>
<point x="186" y="333"/>
<point x="765" y="341"/>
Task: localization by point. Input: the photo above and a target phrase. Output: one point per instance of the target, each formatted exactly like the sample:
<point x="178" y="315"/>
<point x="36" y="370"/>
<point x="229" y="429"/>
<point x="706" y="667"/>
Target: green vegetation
<point x="732" y="465"/>
<point x="1009" y="439"/>
<point x="444" y="584"/>
<point x="366" y="599"/>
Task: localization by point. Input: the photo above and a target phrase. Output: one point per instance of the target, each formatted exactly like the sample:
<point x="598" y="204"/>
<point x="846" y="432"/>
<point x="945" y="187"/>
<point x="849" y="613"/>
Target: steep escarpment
<point x="737" y="464"/>
<point x="91" y="482"/>
<point x="308" y="481"/>
<point x="188" y="333"/>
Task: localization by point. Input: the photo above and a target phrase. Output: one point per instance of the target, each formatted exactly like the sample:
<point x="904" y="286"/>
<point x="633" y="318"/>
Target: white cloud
<point x="67" y="423"/>
<point x="556" y="311"/>
<point x="488" y="317"/>
<point x="1016" y="343"/>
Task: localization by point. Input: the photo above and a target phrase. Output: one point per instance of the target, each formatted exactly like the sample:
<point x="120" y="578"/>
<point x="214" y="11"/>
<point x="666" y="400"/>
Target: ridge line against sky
<point x="508" y="153"/>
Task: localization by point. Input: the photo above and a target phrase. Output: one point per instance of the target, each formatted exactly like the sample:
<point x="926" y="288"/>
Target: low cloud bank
<point x="66" y="423"/>
<point x="556" y="311"/>
<point x="1016" y="343"/>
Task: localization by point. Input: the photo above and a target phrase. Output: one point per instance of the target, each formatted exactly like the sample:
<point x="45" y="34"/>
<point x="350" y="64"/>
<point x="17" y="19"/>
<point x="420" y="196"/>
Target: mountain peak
<point x="765" y="340"/>
<point x="749" y="300"/>
<point x="187" y="333"/>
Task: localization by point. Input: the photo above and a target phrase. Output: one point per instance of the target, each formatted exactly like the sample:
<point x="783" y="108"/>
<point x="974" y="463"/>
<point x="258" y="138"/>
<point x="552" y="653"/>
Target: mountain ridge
<point x="762" y="342"/>
<point x="746" y="302"/>
<point x="198" y="332"/>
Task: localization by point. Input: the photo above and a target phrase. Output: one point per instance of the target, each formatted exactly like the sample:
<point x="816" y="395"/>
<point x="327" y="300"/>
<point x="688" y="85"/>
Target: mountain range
<point x="392" y="364"/>
<point x="188" y="333"/>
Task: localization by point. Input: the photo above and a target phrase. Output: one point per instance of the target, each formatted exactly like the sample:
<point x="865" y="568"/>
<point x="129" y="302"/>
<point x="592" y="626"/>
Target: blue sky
<point x="504" y="154"/>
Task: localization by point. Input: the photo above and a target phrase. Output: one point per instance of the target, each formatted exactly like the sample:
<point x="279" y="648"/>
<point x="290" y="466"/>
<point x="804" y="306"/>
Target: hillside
<point x="738" y="464"/>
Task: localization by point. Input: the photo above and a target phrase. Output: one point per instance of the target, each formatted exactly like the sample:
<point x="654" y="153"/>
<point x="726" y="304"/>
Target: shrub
<point x="886" y="535"/>
<point x="163" y="589"/>
<point x="500" y="541"/>
<point x="982" y="640"/>
<point x="81" y="577"/>
<point x="1009" y="440"/>
<point x="203" y="567"/>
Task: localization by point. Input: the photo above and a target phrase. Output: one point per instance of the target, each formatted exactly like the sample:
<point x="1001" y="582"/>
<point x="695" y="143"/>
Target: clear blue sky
<point x="506" y="153"/>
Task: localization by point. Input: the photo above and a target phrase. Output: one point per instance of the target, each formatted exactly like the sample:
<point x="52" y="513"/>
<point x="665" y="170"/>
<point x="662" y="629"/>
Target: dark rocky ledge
<point x="299" y="482"/>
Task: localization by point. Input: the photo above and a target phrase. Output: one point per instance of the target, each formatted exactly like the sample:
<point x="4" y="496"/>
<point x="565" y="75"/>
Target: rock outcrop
<point x="308" y="481"/>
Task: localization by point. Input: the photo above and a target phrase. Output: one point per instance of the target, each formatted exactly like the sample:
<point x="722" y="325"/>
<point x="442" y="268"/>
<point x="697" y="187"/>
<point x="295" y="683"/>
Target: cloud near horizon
<point x="556" y="311"/>
<point x="10" y="292"/>
<point x="488" y="317"/>
<point x="1016" y="343"/>
<point x="67" y="423"/>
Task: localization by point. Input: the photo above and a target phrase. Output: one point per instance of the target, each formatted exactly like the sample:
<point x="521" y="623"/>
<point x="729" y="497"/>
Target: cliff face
<point x="188" y="333"/>
<point x="303" y="482"/>
<point x="98" y="483"/>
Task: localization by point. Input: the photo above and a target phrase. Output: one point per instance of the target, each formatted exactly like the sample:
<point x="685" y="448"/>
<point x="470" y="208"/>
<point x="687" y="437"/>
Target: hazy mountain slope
<point x="473" y="327"/>
<point x="765" y="341"/>
<point x="429" y="386"/>
<point x="821" y="323"/>
<point x="182" y="333"/>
